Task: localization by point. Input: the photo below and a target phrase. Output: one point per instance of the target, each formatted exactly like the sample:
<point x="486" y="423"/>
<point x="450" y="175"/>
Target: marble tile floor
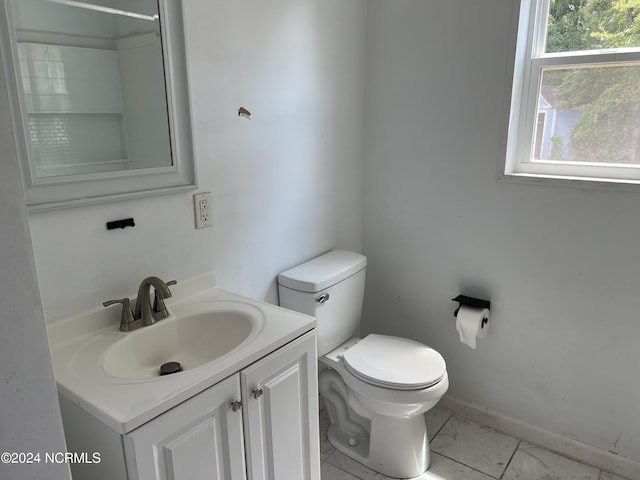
<point x="463" y="450"/>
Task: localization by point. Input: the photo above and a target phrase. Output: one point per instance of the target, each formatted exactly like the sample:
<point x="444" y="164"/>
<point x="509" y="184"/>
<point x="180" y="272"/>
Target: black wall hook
<point x="127" y="222"/>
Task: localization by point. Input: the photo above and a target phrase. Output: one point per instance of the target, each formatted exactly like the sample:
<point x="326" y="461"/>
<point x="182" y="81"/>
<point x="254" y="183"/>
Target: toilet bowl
<point x="376" y="389"/>
<point x="389" y="398"/>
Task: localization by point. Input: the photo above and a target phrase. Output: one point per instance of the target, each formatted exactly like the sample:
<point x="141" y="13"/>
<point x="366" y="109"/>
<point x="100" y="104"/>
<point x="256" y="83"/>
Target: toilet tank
<point x="331" y="288"/>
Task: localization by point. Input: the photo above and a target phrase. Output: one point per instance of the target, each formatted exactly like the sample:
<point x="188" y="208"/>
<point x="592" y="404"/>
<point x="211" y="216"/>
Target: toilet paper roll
<point x="469" y="324"/>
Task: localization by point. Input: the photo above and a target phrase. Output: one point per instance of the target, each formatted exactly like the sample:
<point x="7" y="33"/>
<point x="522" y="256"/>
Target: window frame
<point x="530" y="59"/>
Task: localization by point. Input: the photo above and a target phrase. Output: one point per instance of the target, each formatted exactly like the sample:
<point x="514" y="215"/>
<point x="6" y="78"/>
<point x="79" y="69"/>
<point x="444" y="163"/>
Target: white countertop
<point x="78" y="345"/>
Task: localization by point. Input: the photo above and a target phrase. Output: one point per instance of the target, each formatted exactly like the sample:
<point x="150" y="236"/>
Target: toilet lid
<point x="393" y="362"/>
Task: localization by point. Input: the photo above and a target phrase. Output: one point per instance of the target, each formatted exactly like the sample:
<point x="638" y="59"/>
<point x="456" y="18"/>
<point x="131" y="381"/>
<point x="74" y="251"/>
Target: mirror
<point x="99" y="98"/>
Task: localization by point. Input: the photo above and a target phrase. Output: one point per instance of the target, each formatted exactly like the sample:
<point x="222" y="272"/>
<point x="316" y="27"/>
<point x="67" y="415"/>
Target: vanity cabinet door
<point x="281" y="413"/>
<point x="198" y="439"/>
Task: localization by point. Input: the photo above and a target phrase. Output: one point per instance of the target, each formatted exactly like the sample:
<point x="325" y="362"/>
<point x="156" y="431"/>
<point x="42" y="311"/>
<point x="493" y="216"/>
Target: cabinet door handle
<point x="258" y="392"/>
<point x="236" y="405"/>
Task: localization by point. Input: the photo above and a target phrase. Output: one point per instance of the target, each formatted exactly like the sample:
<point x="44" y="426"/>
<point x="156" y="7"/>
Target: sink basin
<point x="115" y="376"/>
<point x="191" y="339"/>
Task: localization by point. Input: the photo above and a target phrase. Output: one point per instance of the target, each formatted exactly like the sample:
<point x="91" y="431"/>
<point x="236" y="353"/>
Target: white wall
<point x="286" y="184"/>
<point x="560" y="266"/>
<point x="30" y="415"/>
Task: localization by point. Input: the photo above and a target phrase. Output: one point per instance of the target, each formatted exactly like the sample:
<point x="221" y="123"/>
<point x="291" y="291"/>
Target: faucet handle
<point x="159" y="308"/>
<point x="126" y="318"/>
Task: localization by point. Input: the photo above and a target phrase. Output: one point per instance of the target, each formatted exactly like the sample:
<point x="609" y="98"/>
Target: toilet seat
<point x="394" y="363"/>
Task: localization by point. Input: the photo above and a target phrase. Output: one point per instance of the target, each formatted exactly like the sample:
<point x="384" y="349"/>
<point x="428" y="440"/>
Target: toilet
<point x="376" y="389"/>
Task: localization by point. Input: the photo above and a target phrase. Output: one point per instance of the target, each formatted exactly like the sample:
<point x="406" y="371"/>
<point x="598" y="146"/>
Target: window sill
<point x="616" y="185"/>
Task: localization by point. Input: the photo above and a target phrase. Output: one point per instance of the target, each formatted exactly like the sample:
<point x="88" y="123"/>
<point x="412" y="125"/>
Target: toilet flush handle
<point x="322" y="298"/>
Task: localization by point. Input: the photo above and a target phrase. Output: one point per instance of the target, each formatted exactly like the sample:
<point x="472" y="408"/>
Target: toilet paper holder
<point x="471" y="302"/>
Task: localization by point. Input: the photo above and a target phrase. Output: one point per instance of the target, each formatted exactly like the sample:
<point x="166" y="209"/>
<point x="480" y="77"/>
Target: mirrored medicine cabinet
<point x="99" y="98"/>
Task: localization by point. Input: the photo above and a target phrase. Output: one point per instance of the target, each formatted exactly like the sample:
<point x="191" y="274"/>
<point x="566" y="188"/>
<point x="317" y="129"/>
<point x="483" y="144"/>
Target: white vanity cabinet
<point x="200" y="439"/>
<point x="281" y="413"/>
<point x="258" y="424"/>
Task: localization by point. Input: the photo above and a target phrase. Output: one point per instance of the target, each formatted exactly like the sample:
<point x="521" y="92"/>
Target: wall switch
<point x="202" y="209"/>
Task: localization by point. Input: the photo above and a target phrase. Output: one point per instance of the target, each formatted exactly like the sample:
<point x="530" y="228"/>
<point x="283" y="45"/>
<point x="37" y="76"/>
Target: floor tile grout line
<point x="452" y="414"/>
<point x="345" y="471"/>
<point x="468" y="466"/>
<point x="441" y="427"/>
<point x="513" y="454"/>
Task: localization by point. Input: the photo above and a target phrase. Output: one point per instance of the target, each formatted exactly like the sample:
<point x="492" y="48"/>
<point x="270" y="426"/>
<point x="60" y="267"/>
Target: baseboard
<point x="568" y="447"/>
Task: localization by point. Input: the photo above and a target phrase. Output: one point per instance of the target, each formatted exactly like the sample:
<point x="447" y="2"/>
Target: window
<point x="575" y="110"/>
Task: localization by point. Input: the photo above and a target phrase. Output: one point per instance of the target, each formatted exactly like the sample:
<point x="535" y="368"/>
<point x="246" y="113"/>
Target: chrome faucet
<point x="145" y="314"/>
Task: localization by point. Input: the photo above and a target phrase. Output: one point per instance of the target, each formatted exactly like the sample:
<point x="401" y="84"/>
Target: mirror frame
<point x="86" y="189"/>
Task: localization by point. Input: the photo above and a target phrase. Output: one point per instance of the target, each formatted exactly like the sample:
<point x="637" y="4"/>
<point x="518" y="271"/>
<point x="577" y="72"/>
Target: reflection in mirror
<point x="93" y="85"/>
<point x="99" y="98"/>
